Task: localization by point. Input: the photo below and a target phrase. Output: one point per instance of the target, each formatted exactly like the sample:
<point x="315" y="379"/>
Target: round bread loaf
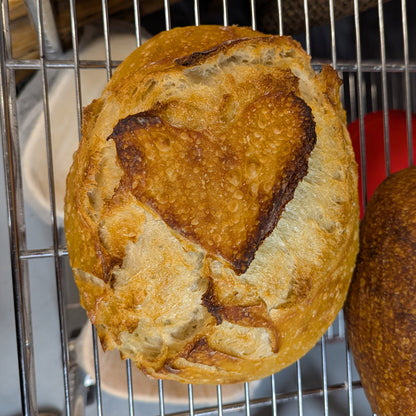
<point x="211" y="210"/>
<point x="380" y="310"/>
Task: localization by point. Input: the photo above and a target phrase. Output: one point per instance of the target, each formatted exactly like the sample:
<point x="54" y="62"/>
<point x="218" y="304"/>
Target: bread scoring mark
<point x="199" y="351"/>
<point x="255" y="315"/>
<point x="298" y="169"/>
<point x="200" y="57"/>
<point x="107" y="261"/>
<point x="131" y="156"/>
<point x="224" y="191"/>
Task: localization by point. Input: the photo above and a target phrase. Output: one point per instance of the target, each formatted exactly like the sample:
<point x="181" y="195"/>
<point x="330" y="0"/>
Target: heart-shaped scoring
<point x="224" y="191"/>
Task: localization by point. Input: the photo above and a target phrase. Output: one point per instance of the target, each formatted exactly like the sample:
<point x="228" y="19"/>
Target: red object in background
<point x="374" y="146"/>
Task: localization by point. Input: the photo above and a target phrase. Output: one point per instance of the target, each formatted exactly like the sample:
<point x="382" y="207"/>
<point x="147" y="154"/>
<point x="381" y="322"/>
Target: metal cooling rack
<point x="42" y="379"/>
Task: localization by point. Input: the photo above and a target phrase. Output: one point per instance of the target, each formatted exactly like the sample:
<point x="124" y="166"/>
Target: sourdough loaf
<point x="211" y="210"/>
<point x="380" y="310"/>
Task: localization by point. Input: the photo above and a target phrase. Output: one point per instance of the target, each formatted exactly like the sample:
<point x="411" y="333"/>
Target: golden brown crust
<point x="381" y="306"/>
<point x="151" y="283"/>
<point x="223" y="209"/>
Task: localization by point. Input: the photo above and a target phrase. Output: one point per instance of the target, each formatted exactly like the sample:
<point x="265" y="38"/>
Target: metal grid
<point x="370" y="84"/>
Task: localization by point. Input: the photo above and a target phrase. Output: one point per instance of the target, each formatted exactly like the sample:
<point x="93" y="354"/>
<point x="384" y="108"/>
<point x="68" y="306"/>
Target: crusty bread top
<point x="224" y="186"/>
<point x="222" y="92"/>
<point x="157" y="273"/>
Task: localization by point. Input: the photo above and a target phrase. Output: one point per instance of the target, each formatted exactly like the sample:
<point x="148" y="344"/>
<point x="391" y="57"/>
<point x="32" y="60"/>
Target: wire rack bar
<point x="384" y="85"/>
<point x="130" y="387"/>
<point x="106" y="29"/>
<point x="352" y="96"/>
<point x="361" y="101"/>
<point x="225" y="12"/>
<point x="349" y="384"/>
<point x="342" y="65"/>
<point x="299" y="383"/>
<point x="55" y="235"/>
<point x="219" y="400"/>
<point x="167" y="14"/>
<point x="247" y="398"/>
<point x="274" y="401"/>
<point x="76" y="61"/>
<point x="191" y="400"/>
<point x="333" y="36"/>
<point x="324" y="376"/>
<point x="307" y="26"/>
<point x="407" y="71"/>
<point x="42" y="253"/>
<point x="137" y="25"/>
<point x="14" y="198"/>
<point x="264" y="402"/>
<point x="97" y="372"/>
<point x="253" y="14"/>
<point x="161" y="398"/>
<point x="196" y="13"/>
<point x="280" y="17"/>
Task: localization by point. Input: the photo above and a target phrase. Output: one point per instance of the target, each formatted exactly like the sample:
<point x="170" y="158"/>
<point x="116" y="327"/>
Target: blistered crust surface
<point x="151" y="282"/>
<point x="224" y="189"/>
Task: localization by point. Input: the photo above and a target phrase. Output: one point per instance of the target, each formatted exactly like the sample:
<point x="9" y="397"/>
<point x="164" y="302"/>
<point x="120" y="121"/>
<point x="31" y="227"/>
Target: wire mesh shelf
<point x="372" y="45"/>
